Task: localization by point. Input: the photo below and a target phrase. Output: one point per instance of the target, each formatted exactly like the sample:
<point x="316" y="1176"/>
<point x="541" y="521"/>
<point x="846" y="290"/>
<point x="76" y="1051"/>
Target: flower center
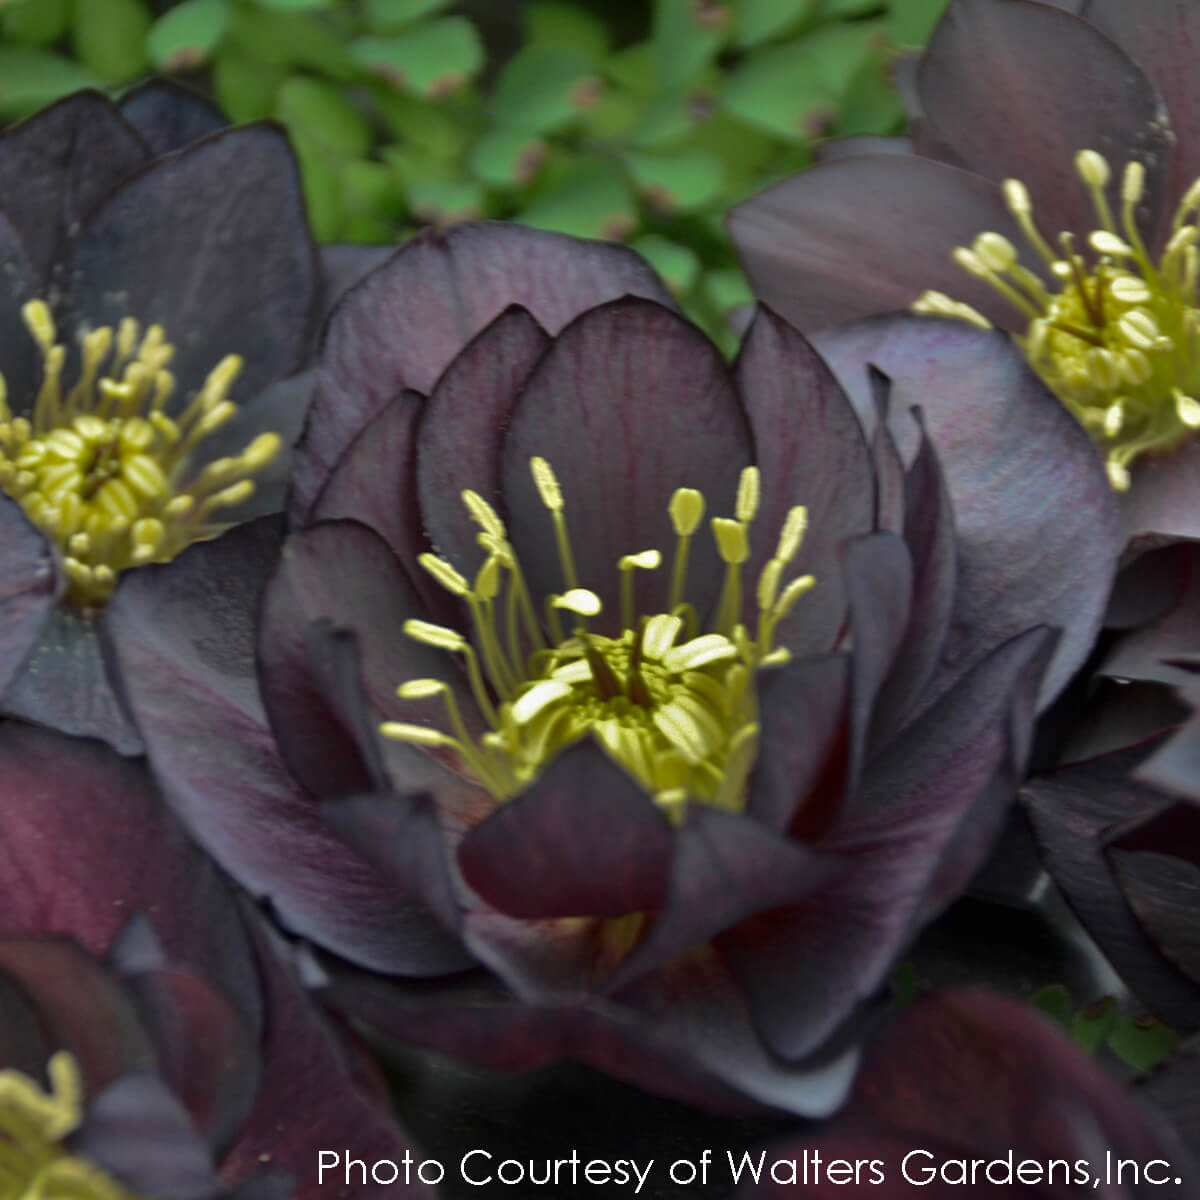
<point x="103" y="471"/>
<point x="1119" y="340"/>
<point x="33" y="1123"/>
<point x="672" y="705"/>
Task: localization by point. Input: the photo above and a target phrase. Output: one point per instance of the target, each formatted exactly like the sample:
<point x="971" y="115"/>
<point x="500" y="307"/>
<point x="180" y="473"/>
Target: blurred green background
<point x="642" y="122"/>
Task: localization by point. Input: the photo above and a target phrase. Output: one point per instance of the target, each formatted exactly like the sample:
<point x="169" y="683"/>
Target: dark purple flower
<point x="160" y="293"/>
<point x="184" y="1059"/>
<point x="664" y="798"/>
<point x="967" y="1093"/>
<point x="1051" y="189"/>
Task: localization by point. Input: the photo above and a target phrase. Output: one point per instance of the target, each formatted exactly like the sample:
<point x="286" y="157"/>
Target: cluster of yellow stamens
<point x="33" y="1163"/>
<point x="675" y="707"/>
<point x="1115" y="335"/>
<point x="103" y="471"/>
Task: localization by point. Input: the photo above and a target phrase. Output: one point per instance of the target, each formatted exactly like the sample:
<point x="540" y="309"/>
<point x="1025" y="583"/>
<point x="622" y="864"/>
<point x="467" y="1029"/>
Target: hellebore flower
<point x="158" y="294"/>
<point x="1051" y="188"/>
<point x="966" y="1092"/>
<point x="184" y="1060"/>
<point x="683" y="794"/>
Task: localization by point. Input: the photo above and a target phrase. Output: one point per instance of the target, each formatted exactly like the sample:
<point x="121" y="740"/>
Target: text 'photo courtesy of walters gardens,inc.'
<point x="917" y="1167"/>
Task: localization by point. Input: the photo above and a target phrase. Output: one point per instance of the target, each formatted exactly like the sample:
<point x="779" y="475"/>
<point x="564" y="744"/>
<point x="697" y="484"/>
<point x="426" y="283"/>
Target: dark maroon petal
<point x="1149" y="587"/>
<point x="1176" y="766"/>
<point x="79" y="1008"/>
<point x="930" y="535"/>
<point x="66" y="684"/>
<point x="800" y="774"/>
<point x="56" y="166"/>
<point x="169" y="116"/>
<point x="29" y="588"/>
<point x="1071" y="811"/>
<point x="1014" y="90"/>
<point x="1035" y="516"/>
<point x="342" y="266"/>
<point x="184" y="636"/>
<point x="1163" y="38"/>
<point x="879" y="581"/>
<point x="1173" y="1090"/>
<point x="138" y="1132"/>
<point x="172" y="245"/>
<point x="312" y="1096"/>
<point x="461" y="430"/>
<point x="20" y="360"/>
<point x="810" y="449"/>
<point x="1163" y="501"/>
<point x="724" y="868"/>
<point x="630" y="403"/>
<point x="868" y="235"/>
<point x="403" y="324"/>
<point x="806" y="968"/>
<point x="858" y="144"/>
<point x="585" y="840"/>
<point x="890" y="488"/>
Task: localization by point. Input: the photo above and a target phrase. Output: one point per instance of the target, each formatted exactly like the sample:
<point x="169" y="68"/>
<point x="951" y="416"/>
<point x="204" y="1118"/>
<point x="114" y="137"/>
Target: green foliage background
<point x="644" y="127"/>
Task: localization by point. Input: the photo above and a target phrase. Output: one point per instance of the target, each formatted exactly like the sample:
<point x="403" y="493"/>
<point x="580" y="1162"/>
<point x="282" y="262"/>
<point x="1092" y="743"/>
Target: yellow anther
<point x="1133" y="183"/>
<point x="647" y="560"/>
<point x="445" y="574"/>
<point x="487" y="579"/>
<point x="538" y="697"/>
<point x="699" y="652"/>
<point x="791" y="537"/>
<point x="416" y="735"/>
<point x="1129" y="289"/>
<point x="1016" y="196"/>
<point x="547" y="484"/>
<point x="1114" y="419"/>
<point x="39" y="322"/>
<point x="434" y="635"/>
<point x="1139" y="329"/>
<point x="420" y="689"/>
<point x="686" y="510"/>
<point x="1102" y="367"/>
<point x="579" y="601"/>
<point x="660" y="634"/>
<point x="1118" y="476"/>
<point x="971" y="262"/>
<point x="1092" y="168"/>
<point x="996" y="252"/>
<point x="792" y="593"/>
<point x="1107" y="243"/>
<point x="768" y="584"/>
<point x="1187" y="409"/>
<point x="484" y="515"/>
<point x="732" y="544"/>
<point x="749" y="487"/>
<point x="261" y="452"/>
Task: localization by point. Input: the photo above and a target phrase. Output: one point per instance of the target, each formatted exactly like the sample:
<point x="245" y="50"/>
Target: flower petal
<point x="168" y="116"/>
<point x="1163" y="501"/>
<point x="461" y="429"/>
<point x="866" y="235"/>
<point x="58" y="165"/>
<point x="1014" y="90"/>
<point x="583" y="841"/>
<point x="810" y="450"/>
<point x="403" y="324"/>
<point x="29" y="588"/>
<point x="171" y="246"/>
<point x="1035" y="515"/>
<point x="630" y="403"/>
<point x="20" y="361"/>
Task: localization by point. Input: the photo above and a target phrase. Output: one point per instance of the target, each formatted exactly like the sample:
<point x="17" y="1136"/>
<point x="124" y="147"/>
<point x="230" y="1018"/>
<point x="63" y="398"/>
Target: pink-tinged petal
<point x="1071" y="812"/>
<point x="1035" y="515"/>
<point x="1163" y="501"/>
<point x="1163" y="38"/>
<point x="630" y="403"/>
<point x="171" y="246"/>
<point x="585" y="840"/>
<point x="403" y="324"/>
<point x="311" y="1096"/>
<point x="66" y="683"/>
<point x="1015" y="90"/>
<point x="29" y="588"/>
<point x="800" y="774"/>
<point x="462" y="428"/>
<point x="183" y="635"/>
<point x="58" y="165"/>
<point x="810" y="450"/>
<point x="168" y="116"/>
<point x="867" y="235"/>
<point x="908" y="850"/>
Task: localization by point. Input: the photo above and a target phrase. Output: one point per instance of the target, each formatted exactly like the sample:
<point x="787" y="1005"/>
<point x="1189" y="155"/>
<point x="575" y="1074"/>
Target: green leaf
<point x="320" y="111"/>
<point x="31" y="79"/>
<point x="541" y="89"/>
<point x="672" y="115"/>
<point x="586" y="199"/>
<point x="912" y="21"/>
<point x="184" y="37"/>
<point x="507" y="158"/>
<point x="291" y="40"/>
<point x="444" y="203"/>
<point x="371" y="189"/>
<point x="636" y="69"/>
<point x="677" y="182"/>
<point x="1142" y="1042"/>
<point x="1092" y="1025"/>
<point x="687" y="35"/>
<point x="871" y="103"/>
<point x="109" y="38"/>
<point x="433" y="59"/>
<point x="566" y="27"/>
<point x="246" y="87"/>
<point x="322" y="188"/>
<point x="678" y="265"/>
<point x="728" y="290"/>
<point x="761" y="20"/>
<point x="295" y="5"/>
<point x="1054" y="1001"/>
<point x="34" y="22"/>
<point x="421" y="123"/>
<point x="391" y="16"/>
<point x="847" y="10"/>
